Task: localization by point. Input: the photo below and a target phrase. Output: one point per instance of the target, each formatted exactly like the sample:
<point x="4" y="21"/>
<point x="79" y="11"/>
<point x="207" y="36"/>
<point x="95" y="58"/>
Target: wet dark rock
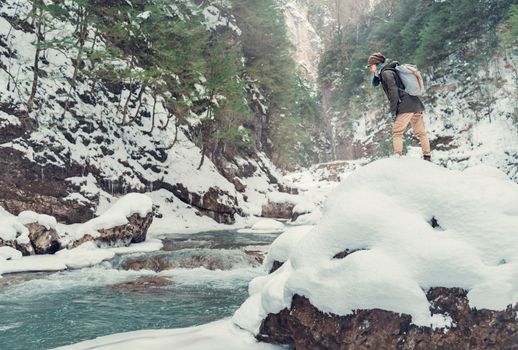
<point x="306" y="327"/>
<point x="344" y="253"/>
<point x="143" y="285"/>
<point x="155" y="263"/>
<point x="258" y="255"/>
<point x="276" y="265"/>
<point x="44" y="241"/>
<point x="435" y="224"/>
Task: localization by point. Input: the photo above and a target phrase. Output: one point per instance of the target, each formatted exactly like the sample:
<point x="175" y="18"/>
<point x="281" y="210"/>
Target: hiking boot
<point x="427" y="157"/>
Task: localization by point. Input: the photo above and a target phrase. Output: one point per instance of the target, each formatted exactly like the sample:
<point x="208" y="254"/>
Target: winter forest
<point x="258" y="174"/>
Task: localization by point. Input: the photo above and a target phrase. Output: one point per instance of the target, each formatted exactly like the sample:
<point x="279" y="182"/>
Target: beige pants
<point x="399" y="129"/>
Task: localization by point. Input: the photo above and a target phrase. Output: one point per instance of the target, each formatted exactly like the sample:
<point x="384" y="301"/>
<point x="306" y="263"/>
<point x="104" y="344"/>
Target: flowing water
<point x="46" y="310"/>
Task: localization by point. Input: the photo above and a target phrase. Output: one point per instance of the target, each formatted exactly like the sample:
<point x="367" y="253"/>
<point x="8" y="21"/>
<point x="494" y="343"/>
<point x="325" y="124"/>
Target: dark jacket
<point x="400" y="101"/>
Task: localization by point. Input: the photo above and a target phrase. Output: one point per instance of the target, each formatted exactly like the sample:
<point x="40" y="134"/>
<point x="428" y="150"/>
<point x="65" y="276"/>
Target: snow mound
<point x="219" y="335"/>
<point x="382" y="215"/>
<point x="282" y="245"/>
<point x="8" y="253"/>
<point x="264" y="226"/>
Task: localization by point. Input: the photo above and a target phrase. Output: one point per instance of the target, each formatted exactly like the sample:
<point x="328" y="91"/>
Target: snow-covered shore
<point x="219" y="335"/>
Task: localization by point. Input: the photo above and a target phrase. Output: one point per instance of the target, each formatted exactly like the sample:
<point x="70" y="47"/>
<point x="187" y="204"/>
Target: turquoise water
<point x="42" y="311"/>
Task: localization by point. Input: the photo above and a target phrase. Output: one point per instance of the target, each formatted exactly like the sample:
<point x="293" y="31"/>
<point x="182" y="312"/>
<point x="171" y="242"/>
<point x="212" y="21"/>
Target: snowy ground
<point x="219" y="335"/>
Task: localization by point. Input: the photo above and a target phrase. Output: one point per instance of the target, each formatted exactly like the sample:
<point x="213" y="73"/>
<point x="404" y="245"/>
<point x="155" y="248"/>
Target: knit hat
<point x="376" y="58"/>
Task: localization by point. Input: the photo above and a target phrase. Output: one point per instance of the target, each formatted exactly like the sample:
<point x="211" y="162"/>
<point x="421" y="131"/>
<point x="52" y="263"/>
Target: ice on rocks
<point x="381" y="215"/>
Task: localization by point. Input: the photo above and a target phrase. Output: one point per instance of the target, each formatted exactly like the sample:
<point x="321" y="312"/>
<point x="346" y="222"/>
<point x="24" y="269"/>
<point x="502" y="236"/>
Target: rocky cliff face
<point x="307" y="42"/>
<point x="72" y="152"/>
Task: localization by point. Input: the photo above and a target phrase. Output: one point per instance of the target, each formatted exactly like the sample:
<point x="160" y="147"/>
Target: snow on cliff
<point x="382" y="214"/>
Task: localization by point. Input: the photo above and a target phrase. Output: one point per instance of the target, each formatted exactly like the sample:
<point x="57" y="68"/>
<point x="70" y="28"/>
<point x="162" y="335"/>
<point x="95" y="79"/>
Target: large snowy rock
<point x="376" y="248"/>
<point x="127" y="221"/>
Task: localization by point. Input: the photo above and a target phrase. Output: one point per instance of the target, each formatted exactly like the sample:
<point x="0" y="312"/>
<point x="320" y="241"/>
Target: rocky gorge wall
<point x="71" y="154"/>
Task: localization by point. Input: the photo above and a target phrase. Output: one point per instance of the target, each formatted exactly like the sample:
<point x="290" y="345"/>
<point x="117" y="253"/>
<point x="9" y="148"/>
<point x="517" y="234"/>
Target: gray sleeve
<point x="392" y="90"/>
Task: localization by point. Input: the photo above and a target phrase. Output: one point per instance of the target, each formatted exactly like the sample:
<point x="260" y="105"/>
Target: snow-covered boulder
<point x="375" y="249"/>
<point x="286" y="206"/>
<point x="127" y="221"/>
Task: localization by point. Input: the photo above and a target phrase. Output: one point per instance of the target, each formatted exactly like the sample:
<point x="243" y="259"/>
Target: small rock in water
<point x="142" y="285"/>
<point x="155" y="263"/>
<point x="216" y="262"/>
<point x="256" y="254"/>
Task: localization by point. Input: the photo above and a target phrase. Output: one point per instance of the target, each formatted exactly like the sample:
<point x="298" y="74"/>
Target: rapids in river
<point x="194" y="279"/>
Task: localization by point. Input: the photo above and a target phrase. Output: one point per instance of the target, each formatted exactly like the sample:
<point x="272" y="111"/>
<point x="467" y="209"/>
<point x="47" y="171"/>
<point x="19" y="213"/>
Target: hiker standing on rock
<point x="405" y="105"/>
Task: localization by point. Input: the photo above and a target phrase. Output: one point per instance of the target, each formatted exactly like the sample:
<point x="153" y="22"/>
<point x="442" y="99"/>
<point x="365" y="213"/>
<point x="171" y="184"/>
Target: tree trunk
<point x="39" y="38"/>
<point x="153" y="115"/>
<point x="139" y="99"/>
<point x="203" y="148"/>
<point x="83" y="33"/>
<point x="125" y="109"/>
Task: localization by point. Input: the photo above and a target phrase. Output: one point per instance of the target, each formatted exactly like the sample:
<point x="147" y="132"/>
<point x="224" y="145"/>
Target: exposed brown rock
<point x="215" y="203"/>
<point x="213" y="262"/>
<point x="277" y="210"/>
<point x="25" y="185"/>
<point x="333" y="170"/>
<point x="134" y="231"/>
<point x="238" y="184"/>
<point x="256" y="254"/>
<point x="140" y="226"/>
<point x="44" y="241"/>
<point x="155" y="263"/>
<point x="26" y="248"/>
<point x="306" y="327"/>
<point x="84" y="239"/>
<point x="143" y="285"/>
